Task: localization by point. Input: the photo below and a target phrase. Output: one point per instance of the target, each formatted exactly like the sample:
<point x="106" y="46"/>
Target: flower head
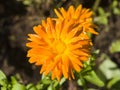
<point x="81" y="15"/>
<point x="59" y="46"/>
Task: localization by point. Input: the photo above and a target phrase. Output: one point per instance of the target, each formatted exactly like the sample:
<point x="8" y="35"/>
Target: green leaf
<point x="3" y="80"/>
<point x="56" y="83"/>
<point x="2" y="75"/>
<point x="108" y="67"/>
<point x="103" y="20"/>
<point x="116" y="11"/>
<point x="4" y="83"/>
<point x="85" y="70"/>
<point x="18" y="86"/>
<point x="79" y="82"/>
<point x="46" y="81"/>
<point x="91" y="89"/>
<point x="62" y="81"/>
<point x="115" y="46"/>
<point x="51" y="87"/>
<point x="13" y="80"/>
<point x="3" y="88"/>
<point x="112" y="82"/>
<point x="101" y="11"/>
<point x="31" y="87"/>
<point x="27" y="2"/>
<point x="39" y="86"/>
<point x="114" y="4"/>
<point x="94" y="79"/>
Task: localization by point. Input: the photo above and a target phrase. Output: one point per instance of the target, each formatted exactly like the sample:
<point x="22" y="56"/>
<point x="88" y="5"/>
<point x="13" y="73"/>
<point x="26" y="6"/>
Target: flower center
<point x="59" y="46"/>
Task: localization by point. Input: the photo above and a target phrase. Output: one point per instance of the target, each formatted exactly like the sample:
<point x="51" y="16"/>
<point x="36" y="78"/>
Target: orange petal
<point x="80" y="53"/>
<point x="65" y="66"/>
<point x="58" y="28"/>
<point x="40" y="31"/>
<point x="92" y="31"/>
<point x="51" y="28"/>
<point x="64" y="13"/>
<point x="70" y="12"/>
<point x="75" y="66"/>
<point x="75" y="59"/>
<point x="83" y="58"/>
<point x="77" y="12"/>
<point x="31" y="44"/>
<point x="73" y="32"/>
<point x="66" y="27"/>
<point x="58" y="14"/>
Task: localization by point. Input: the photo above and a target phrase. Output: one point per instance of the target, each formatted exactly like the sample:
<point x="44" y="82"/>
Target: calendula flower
<point x="81" y="15"/>
<point x="61" y="45"/>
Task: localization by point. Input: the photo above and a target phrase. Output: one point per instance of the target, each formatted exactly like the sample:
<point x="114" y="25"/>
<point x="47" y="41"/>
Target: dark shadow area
<point x="11" y="8"/>
<point x="14" y="56"/>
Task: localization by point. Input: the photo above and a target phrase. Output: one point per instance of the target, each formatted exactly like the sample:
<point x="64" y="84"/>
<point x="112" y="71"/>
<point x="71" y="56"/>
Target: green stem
<point x="83" y="82"/>
<point x="96" y="4"/>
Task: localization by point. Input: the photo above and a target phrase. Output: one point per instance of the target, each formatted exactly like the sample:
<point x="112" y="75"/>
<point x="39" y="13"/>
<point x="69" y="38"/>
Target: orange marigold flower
<point x="81" y="15"/>
<point x="59" y="47"/>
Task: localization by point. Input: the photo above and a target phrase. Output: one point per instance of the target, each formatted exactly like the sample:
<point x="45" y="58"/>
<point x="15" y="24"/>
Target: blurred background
<point x="17" y="18"/>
